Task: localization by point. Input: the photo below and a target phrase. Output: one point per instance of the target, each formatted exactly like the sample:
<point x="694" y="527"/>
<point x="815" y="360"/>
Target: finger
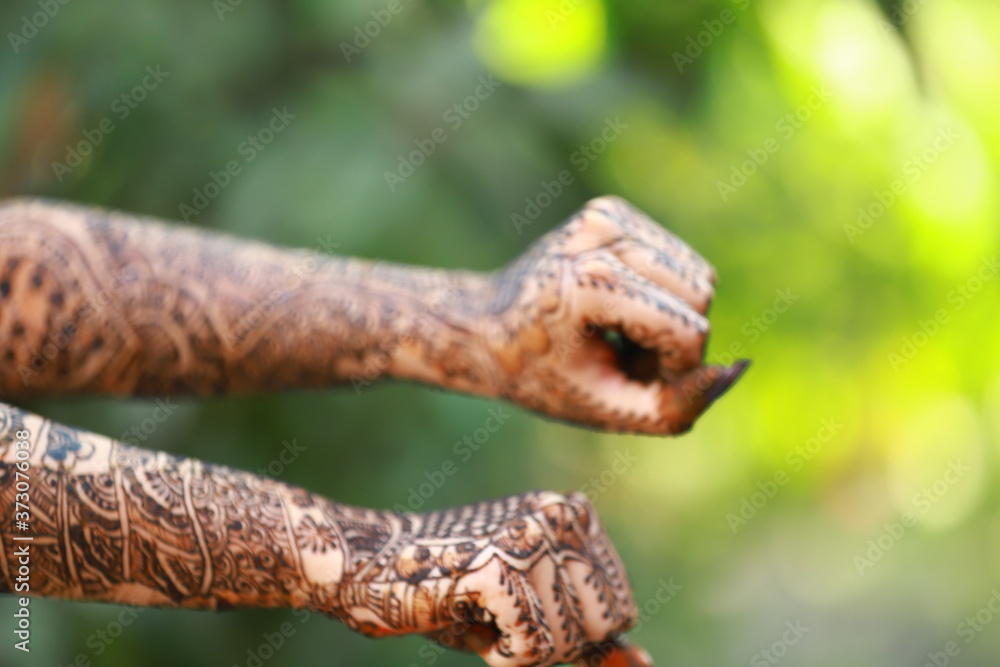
<point x="603" y="595"/>
<point x="602" y="585"/>
<point x="573" y="581"/>
<point x="667" y="271"/>
<point x="576" y="607"/>
<point x="562" y="606"/>
<point x="644" y="229"/>
<point x="522" y="636"/>
<point x="612" y="402"/>
<point x="648" y="315"/>
<point x="391" y="609"/>
<point x="682" y="401"/>
<point x="616" y="652"/>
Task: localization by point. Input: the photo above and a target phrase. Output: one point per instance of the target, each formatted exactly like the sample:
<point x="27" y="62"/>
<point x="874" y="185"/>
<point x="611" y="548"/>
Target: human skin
<point x="527" y="580"/>
<point x="600" y="323"/>
<point x="96" y="302"/>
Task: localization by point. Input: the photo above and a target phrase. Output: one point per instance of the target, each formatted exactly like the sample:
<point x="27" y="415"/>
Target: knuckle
<point x="607" y="203"/>
<point x="573" y="500"/>
<point x="520" y="537"/>
<point x="570" y="512"/>
<point x="581" y="504"/>
<point x="592" y="227"/>
<point x="600" y="222"/>
<point x="594" y="264"/>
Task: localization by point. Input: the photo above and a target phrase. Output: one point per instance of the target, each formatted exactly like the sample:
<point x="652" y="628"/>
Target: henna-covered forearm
<point x="115" y="523"/>
<point x="530" y="580"/>
<point x="602" y="322"/>
<point x="100" y="302"/>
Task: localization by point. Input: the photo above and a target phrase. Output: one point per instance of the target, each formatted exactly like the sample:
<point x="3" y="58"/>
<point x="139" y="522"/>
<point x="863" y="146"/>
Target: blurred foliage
<point x="837" y="160"/>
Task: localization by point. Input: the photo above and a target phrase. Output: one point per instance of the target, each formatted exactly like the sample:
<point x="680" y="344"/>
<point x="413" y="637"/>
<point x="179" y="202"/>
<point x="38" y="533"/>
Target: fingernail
<point x="726" y="379"/>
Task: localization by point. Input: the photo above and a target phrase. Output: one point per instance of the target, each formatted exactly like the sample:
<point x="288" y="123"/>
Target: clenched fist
<point x="602" y="323"/>
<point x="528" y="581"/>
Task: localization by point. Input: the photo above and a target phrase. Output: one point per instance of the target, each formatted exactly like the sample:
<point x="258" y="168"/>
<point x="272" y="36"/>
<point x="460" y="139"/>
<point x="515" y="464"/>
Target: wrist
<point x="439" y="339"/>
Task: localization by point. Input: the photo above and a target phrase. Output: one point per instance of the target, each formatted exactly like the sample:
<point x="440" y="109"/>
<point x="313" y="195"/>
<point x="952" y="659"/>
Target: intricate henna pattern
<point x="528" y="580"/>
<point x="603" y="323"/>
<point x="98" y="302"/>
<point x="600" y="323"/>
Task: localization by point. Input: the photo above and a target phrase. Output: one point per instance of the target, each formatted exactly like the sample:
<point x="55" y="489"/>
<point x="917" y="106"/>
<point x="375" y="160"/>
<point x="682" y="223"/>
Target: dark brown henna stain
<point x="100" y="302"/>
<point x="600" y="323"/>
<point x="153" y="308"/>
<point x="530" y="577"/>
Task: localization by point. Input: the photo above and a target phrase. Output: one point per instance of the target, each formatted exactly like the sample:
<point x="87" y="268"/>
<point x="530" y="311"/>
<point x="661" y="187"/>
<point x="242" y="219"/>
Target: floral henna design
<point x="600" y="323"/>
<point x="99" y="302"/>
<point x="527" y="581"/>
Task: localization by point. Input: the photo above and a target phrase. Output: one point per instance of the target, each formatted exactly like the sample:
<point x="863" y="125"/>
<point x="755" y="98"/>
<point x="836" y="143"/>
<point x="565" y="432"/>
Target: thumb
<point x="682" y="400"/>
<point x="616" y="652"/>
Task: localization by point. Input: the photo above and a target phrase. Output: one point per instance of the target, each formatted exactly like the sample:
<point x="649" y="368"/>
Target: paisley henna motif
<point x="527" y="580"/>
<point x="600" y="323"/>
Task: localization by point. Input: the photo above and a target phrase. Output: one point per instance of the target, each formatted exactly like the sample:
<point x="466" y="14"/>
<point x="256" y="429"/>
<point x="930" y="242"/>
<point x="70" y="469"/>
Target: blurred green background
<point x="836" y="160"/>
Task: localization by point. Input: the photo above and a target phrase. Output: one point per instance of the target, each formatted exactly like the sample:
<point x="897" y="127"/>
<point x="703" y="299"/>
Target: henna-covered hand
<point x="530" y="580"/>
<point x="603" y="322"/>
<point x="526" y="581"/>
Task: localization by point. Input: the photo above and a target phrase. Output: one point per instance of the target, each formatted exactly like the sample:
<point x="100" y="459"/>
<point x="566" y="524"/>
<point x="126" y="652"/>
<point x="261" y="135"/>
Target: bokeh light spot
<point x="541" y="42"/>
